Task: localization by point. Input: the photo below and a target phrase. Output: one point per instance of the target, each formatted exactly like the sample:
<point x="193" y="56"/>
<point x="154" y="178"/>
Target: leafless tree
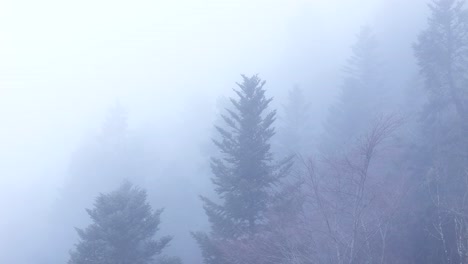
<point x="346" y="212"/>
<point x="450" y="222"/>
<point x="350" y="203"/>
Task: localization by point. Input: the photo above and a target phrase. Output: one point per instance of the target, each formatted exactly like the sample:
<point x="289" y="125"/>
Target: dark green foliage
<point x="122" y="230"/>
<point x="245" y="176"/>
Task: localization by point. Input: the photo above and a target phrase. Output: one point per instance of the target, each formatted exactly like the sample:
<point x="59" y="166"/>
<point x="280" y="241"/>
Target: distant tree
<point x="122" y="231"/>
<point x="112" y="156"/>
<point x="442" y="150"/>
<point x="246" y="176"/>
<point x="442" y="54"/>
<point x="295" y="132"/>
<point x="100" y="164"/>
<point x="361" y="99"/>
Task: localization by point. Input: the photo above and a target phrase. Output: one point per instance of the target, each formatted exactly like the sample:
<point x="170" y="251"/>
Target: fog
<point x="168" y="65"/>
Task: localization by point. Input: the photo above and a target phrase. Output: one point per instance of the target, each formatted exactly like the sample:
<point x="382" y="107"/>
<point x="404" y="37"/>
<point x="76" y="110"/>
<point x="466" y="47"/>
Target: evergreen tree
<point x="112" y="156"/>
<point x="122" y="232"/>
<point x="295" y="134"/>
<point x="442" y="149"/>
<point x="100" y="164"/>
<point x="442" y="55"/>
<point x="246" y="175"/>
<point x="361" y="99"/>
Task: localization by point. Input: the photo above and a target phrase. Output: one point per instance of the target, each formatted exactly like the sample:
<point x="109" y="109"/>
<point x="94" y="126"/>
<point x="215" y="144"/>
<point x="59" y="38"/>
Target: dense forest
<point x="380" y="177"/>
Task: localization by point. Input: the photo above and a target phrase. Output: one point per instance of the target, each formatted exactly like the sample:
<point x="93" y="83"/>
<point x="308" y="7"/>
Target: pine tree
<point x="361" y="99"/>
<point x="246" y="175"/>
<point x="122" y="232"/>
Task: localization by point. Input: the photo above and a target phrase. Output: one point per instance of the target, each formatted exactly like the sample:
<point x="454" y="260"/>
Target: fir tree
<point x="246" y="175"/>
<point x="122" y="231"/>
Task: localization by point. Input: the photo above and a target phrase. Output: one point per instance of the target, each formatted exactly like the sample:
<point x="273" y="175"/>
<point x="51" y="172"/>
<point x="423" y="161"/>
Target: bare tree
<point x="350" y="203"/>
<point x="346" y="210"/>
<point x="450" y="222"/>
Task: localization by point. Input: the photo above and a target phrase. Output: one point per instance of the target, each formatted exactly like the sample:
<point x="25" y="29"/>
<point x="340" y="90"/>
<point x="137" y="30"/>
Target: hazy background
<point x="64" y="64"/>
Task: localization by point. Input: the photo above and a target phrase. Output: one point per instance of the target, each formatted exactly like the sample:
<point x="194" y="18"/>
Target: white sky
<point x="63" y="62"/>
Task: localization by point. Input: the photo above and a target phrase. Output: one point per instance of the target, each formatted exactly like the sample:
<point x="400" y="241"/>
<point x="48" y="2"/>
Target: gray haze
<point x="64" y="65"/>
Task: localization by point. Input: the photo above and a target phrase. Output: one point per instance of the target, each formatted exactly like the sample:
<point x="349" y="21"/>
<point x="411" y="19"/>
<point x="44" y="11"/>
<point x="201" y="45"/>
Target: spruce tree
<point x="122" y="231"/>
<point x="245" y="175"/>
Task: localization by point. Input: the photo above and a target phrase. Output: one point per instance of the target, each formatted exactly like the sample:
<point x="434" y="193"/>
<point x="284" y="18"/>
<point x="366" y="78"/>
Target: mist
<point x="95" y="93"/>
